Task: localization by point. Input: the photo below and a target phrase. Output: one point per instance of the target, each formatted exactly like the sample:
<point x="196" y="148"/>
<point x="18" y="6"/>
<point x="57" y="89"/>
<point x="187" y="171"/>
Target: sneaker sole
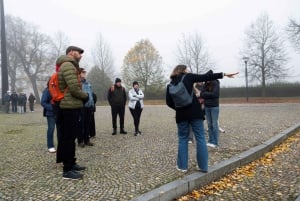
<point x="67" y="178"/>
<point x="180" y="170"/>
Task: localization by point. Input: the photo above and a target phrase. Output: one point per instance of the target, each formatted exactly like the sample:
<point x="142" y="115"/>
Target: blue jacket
<point x="46" y="103"/>
<point x="86" y="87"/>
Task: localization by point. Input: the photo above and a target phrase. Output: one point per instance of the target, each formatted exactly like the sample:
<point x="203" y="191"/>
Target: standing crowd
<point x="73" y="114"/>
<point x="16" y="103"/>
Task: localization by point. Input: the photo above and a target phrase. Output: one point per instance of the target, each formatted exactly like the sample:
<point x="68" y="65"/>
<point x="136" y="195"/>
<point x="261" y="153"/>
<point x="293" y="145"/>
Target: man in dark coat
<point x="14" y="102"/>
<point x="117" y="100"/>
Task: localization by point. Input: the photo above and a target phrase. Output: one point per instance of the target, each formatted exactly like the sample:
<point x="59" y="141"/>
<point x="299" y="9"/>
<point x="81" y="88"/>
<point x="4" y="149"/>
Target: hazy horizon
<point x="123" y="23"/>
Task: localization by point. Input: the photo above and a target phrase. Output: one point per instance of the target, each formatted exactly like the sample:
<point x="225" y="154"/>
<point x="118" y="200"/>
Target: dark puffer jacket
<point x="194" y="110"/>
<point x="68" y="77"/>
<point x="211" y="93"/>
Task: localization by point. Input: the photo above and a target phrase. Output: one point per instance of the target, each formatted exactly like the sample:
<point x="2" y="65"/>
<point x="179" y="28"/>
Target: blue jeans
<point x="183" y="137"/>
<point x="212" y="116"/>
<point x="50" y="131"/>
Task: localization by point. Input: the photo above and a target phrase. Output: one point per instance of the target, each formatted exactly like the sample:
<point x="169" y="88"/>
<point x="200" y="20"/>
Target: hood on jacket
<point x="65" y="58"/>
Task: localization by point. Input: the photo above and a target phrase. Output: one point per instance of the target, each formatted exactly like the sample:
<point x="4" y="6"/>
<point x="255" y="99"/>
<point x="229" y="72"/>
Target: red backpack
<point x="56" y="94"/>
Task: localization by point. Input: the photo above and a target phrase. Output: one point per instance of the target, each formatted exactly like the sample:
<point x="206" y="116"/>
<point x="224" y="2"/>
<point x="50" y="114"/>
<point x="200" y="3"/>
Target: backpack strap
<point x="182" y="82"/>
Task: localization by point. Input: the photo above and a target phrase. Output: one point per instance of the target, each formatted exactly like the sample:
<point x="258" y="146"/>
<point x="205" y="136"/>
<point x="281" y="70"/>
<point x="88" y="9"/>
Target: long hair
<point x="179" y="69"/>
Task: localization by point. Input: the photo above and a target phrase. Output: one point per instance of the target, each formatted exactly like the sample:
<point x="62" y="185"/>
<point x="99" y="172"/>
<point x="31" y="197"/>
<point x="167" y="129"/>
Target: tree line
<point x="32" y="55"/>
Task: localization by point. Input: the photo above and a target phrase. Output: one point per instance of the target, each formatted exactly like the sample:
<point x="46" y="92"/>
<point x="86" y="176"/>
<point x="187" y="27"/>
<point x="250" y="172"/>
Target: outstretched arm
<point x="230" y="75"/>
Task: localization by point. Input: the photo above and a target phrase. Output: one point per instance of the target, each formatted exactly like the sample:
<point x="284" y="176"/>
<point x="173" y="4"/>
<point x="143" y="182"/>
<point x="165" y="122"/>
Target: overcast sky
<point x="122" y="23"/>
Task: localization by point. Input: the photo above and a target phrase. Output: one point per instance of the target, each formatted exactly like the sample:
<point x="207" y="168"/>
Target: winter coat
<point x="210" y="93"/>
<point x="117" y="96"/>
<point x="194" y="110"/>
<point x="134" y="97"/>
<point x="86" y="87"/>
<point x="31" y="98"/>
<point x="46" y="103"/>
<point x="68" y="77"/>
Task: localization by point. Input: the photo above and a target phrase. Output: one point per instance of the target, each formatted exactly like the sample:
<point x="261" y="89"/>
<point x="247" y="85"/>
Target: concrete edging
<point x="190" y="182"/>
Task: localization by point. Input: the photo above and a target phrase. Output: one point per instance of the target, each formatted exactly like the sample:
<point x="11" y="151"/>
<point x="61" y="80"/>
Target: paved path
<point x="122" y="167"/>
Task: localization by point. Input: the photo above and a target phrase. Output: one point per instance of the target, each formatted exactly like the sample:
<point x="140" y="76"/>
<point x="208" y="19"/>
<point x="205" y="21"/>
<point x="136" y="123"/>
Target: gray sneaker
<point x="72" y="175"/>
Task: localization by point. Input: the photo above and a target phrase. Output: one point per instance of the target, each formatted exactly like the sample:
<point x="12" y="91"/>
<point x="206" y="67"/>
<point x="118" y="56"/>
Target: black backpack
<point x="180" y="95"/>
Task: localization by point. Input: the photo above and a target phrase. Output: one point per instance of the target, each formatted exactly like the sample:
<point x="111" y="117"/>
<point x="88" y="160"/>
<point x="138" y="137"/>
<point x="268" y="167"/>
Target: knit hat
<point x="118" y="80"/>
<point x="134" y="83"/>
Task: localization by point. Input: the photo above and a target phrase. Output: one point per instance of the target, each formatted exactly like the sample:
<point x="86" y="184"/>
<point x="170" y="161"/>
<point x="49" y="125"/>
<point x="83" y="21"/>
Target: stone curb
<point x="190" y="182"/>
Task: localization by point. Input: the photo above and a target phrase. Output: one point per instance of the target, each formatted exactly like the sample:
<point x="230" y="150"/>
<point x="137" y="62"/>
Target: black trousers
<point x="115" y="111"/>
<point x="93" y="126"/>
<point x="14" y="106"/>
<point x="31" y="105"/>
<point x="136" y="114"/>
<point x="84" y="136"/>
<point x="70" y="128"/>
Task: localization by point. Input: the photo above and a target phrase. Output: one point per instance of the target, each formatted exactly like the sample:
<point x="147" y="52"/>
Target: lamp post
<point x="4" y="73"/>
<point x="246" y="75"/>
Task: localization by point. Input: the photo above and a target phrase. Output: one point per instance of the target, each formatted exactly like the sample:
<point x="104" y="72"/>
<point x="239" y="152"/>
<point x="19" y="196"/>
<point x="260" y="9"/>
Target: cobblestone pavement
<point x="124" y="166"/>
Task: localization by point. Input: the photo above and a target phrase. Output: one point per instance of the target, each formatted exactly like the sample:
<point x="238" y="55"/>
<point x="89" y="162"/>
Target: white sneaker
<point x="221" y="130"/>
<point x="52" y="150"/>
<point x="211" y="145"/>
<point x="190" y="142"/>
<point x="180" y="170"/>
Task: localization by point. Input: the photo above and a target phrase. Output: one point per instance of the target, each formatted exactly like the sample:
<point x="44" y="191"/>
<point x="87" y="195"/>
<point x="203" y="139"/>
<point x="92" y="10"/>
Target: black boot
<point x="122" y="131"/>
<point x="114" y="132"/>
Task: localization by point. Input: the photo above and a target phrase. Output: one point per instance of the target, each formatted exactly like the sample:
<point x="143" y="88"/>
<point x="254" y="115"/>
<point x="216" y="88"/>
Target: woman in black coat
<point x="190" y="115"/>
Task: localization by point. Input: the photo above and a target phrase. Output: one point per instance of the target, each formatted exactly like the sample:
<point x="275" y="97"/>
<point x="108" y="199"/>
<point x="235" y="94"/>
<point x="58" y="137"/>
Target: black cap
<point x="82" y="70"/>
<point x="118" y="80"/>
<point x="134" y="83"/>
<point x="74" y="48"/>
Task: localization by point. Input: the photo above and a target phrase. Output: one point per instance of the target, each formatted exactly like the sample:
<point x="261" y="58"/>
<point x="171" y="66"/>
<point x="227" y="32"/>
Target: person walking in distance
<point x="190" y="115"/>
<point x="7" y="100"/>
<point x="14" y="102"/>
<point x="69" y="115"/>
<point x="25" y="102"/>
<point x="117" y="100"/>
<point x="136" y="105"/>
<point x="21" y="102"/>
<point x="31" y="100"/>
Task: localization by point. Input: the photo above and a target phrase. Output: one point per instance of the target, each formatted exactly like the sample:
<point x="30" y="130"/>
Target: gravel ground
<point x="123" y="166"/>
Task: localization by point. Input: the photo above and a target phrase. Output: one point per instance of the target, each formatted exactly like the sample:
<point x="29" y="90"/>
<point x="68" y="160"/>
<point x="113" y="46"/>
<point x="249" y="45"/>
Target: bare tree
<point x="32" y="50"/>
<point x="192" y="52"/>
<point x="12" y="67"/>
<point x="60" y="43"/>
<point x="103" y="58"/>
<point x="143" y="64"/>
<point x="266" y="52"/>
<point x="293" y="30"/>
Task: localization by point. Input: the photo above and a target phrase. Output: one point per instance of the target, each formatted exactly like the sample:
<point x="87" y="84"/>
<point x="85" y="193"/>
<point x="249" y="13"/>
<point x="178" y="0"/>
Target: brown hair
<point x="178" y="70"/>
